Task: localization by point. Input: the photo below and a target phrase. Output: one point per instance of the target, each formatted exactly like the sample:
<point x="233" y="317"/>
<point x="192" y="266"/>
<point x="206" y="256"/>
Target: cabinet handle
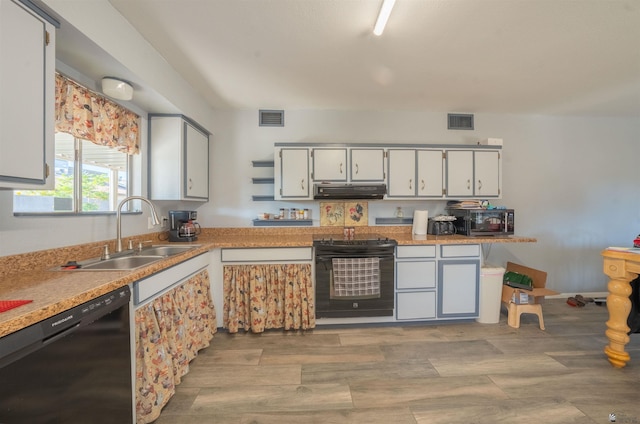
<point x="341" y="167"/>
<point x="302" y="184"/>
<point x="357" y="169"/>
<point x="190" y="183"/>
<point x="422" y="181"/>
<point x="410" y="184"/>
<point x="479" y="184"/>
<point x="468" y="184"/>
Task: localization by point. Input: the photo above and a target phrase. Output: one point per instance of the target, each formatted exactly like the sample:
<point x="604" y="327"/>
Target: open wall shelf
<point x="394" y="221"/>
<point x="282" y="222"/>
<point x="262" y="180"/>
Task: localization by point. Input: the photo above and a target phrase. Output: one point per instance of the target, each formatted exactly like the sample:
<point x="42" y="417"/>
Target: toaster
<point x="440" y="228"/>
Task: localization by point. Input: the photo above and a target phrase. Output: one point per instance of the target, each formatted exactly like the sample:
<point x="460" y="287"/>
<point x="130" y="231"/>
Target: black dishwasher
<point x="74" y="367"/>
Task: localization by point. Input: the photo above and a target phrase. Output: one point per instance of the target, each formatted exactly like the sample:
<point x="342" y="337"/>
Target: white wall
<point x="571" y="180"/>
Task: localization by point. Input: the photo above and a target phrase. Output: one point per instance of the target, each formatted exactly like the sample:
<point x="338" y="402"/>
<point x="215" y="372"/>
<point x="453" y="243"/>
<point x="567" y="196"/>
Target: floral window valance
<point x="89" y="116"/>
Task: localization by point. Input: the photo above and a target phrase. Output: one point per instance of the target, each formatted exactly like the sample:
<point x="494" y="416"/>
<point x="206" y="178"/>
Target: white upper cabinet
<point x="27" y="84"/>
<point x="367" y="165"/>
<point x="487" y="168"/>
<point x="291" y="173"/>
<point x="178" y="159"/>
<point x="402" y="173"/>
<point x="415" y="173"/>
<point x="460" y="173"/>
<point x="329" y="165"/>
<point x="196" y="184"/>
<point x="430" y="177"/>
<point x="412" y="171"/>
<point x="473" y="173"/>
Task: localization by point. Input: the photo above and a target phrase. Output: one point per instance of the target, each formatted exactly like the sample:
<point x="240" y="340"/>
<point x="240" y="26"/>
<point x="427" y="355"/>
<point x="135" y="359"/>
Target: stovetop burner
<point x="357" y="240"/>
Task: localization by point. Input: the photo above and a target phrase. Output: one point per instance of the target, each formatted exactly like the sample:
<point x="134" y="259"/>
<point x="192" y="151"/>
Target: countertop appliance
<point x="74" y="367"/>
<point x="349" y="191"/>
<point x="354" y="276"/>
<point x="439" y="228"/>
<point x="183" y="226"/>
<point x="484" y="222"/>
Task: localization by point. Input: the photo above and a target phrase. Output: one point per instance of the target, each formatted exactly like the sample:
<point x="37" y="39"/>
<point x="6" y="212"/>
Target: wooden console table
<point x="622" y="268"/>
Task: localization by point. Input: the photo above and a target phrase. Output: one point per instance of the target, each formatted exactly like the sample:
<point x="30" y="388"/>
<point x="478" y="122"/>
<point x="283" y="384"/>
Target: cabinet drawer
<point x="267" y="254"/>
<point x="460" y="250"/>
<point x="416" y="305"/>
<point x="416" y="275"/>
<point x="428" y="251"/>
<point x="155" y="284"/>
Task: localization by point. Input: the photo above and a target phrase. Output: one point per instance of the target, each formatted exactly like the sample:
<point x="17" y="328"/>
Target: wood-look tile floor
<point x="445" y="373"/>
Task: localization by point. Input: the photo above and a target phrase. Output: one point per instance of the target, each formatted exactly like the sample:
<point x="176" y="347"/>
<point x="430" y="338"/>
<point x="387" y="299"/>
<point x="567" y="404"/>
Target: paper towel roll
<point x="420" y="219"/>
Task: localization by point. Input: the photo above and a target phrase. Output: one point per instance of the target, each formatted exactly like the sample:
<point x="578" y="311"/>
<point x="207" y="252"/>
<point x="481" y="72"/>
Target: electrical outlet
<point x="164" y="222"/>
<point x="149" y="223"/>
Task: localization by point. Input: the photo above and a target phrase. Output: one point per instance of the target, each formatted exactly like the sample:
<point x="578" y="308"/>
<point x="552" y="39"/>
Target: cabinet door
<point x="402" y="173"/>
<point x="330" y="165"/>
<point x="294" y="173"/>
<point x="27" y="81"/>
<point x="415" y="305"/>
<point x="458" y="283"/>
<point x="367" y="165"/>
<point x="430" y="176"/>
<point x="459" y="173"/>
<point x="487" y="173"/>
<point x="196" y="180"/>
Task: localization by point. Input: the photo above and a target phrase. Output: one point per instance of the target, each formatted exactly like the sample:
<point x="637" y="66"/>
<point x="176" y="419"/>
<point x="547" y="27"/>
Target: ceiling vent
<point x="459" y="121"/>
<point x="271" y="118"/>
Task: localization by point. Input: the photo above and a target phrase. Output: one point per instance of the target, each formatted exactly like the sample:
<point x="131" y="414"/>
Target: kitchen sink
<point x="165" y="250"/>
<point x="121" y="263"/>
<point x="129" y="259"/>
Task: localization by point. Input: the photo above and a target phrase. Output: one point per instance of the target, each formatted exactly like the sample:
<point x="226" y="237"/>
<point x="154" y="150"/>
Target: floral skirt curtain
<point x="169" y="333"/>
<point x="259" y="297"/>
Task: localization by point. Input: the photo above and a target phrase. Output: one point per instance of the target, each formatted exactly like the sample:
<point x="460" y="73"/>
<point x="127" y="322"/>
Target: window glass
<point x="93" y="180"/>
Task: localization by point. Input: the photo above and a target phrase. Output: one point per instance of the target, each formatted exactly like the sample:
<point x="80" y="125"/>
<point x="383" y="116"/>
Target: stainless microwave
<point x="483" y="222"/>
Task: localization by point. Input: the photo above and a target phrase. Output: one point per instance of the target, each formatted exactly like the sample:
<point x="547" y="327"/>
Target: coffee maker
<point x="182" y="226"/>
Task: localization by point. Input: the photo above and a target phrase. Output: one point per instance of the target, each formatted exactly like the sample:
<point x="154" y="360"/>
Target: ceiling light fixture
<point x="383" y="17"/>
<point x="117" y="88"/>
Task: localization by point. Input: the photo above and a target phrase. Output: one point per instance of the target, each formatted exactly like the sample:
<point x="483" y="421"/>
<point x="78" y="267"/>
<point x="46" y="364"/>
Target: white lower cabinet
<point x="458" y="281"/>
<point x="415" y="282"/>
<point x="437" y="282"/>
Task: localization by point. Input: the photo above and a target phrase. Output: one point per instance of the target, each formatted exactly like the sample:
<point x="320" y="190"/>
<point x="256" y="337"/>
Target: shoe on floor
<point x="573" y="301"/>
<point x="581" y="298"/>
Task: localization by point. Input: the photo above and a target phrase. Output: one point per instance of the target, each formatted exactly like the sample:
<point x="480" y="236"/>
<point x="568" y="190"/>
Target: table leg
<point x="619" y="306"/>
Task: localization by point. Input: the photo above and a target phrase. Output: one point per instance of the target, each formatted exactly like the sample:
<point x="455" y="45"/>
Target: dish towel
<point x="5" y="305"/>
<point x="356" y="277"/>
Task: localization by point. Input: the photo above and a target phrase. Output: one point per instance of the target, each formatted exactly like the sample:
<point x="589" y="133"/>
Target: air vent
<point x="458" y="121"/>
<point x="272" y="118"/>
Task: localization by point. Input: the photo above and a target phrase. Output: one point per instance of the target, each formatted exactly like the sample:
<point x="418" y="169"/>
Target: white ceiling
<point x="474" y="56"/>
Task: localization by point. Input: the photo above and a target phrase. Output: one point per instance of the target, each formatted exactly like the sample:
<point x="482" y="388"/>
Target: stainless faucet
<point x="154" y="217"/>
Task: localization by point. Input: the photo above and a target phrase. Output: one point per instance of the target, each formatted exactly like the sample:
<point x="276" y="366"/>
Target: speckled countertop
<point x="31" y="276"/>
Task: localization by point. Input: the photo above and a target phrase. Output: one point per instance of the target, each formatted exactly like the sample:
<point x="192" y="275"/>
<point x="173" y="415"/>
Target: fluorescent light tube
<point x="383" y="17"/>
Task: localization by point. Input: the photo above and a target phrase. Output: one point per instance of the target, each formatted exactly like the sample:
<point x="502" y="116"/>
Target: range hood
<point x="349" y="191"/>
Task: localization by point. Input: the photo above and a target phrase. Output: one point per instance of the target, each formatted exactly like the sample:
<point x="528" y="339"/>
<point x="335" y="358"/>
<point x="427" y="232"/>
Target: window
<point x="88" y="178"/>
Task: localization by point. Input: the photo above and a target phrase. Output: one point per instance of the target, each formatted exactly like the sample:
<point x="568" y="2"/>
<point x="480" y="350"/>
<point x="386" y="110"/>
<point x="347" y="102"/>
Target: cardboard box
<point x="515" y="295"/>
<point x="490" y="142"/>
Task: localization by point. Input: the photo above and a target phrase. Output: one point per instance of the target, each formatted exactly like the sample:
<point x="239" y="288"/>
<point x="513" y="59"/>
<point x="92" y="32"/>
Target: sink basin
<point x="165" y="250"/>
<point x="121" y="263"/>
<point x="130" y="259"/>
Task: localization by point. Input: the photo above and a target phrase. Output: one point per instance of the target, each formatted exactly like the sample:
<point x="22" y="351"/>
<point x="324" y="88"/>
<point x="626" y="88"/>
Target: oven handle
<point x="334" y="256"/>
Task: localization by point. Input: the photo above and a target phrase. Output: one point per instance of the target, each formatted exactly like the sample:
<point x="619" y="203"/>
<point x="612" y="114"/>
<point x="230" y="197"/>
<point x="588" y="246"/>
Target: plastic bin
<point x="490" y="294"/>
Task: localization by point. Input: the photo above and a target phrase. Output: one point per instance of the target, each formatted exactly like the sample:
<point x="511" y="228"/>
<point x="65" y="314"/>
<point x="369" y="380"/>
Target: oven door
<point x="354" y="283"/>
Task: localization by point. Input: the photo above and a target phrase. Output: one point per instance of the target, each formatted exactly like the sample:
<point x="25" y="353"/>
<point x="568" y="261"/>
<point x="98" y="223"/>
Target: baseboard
<point x="584" y="294"/>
